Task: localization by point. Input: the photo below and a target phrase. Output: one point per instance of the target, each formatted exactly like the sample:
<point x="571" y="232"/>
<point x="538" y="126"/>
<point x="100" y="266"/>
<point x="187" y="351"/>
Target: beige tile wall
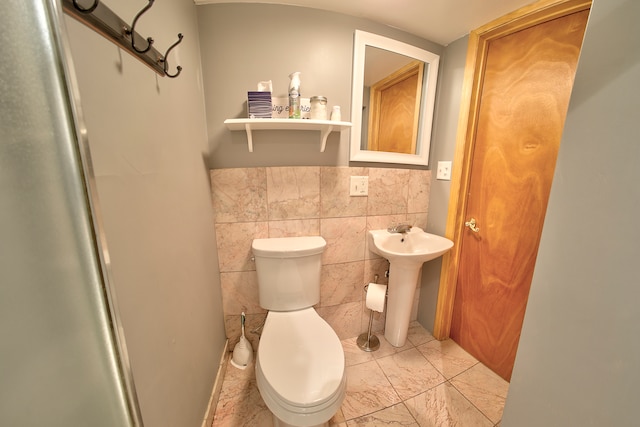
<point x="263" y="202"/>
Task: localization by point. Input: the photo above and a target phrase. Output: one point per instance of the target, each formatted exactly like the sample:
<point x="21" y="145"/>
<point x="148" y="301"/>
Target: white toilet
<point x="300" y="367"/>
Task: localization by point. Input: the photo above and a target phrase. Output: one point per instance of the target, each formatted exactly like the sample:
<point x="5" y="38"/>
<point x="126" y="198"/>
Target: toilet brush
<point x="242" y="352"/>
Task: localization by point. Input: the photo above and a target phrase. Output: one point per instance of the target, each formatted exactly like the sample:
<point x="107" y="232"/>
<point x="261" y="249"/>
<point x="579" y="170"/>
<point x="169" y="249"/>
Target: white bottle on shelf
<point x="335" y="114"/>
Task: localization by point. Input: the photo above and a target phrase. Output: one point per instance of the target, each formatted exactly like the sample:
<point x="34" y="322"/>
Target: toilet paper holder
<point x="366" y="341"/>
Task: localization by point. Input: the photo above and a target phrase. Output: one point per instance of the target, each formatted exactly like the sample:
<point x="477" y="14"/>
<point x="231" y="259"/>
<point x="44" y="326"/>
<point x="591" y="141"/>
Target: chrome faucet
<point x="400" y="228"/>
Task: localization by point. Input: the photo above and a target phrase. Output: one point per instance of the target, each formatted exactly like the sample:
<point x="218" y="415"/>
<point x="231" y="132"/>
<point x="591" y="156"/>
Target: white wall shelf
<point x="324" y="126"/>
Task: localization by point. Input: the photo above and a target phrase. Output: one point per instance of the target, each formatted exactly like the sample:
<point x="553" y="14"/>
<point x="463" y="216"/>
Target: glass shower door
<point x="62" y="357"/>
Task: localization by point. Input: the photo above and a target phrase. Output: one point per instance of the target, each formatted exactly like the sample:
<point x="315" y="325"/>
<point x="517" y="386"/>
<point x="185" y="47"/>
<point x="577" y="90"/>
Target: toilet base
<point x="277" y="422"/>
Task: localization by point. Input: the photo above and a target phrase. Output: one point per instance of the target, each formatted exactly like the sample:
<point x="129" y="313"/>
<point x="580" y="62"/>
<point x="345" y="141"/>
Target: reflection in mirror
<point x="392" y="102"/>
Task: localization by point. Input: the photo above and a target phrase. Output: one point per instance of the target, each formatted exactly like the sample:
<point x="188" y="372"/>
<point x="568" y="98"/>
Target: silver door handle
<point x="472" y="225"/>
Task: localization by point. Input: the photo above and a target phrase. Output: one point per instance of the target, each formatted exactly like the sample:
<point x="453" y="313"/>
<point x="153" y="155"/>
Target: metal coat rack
<point x="100" y="18"/>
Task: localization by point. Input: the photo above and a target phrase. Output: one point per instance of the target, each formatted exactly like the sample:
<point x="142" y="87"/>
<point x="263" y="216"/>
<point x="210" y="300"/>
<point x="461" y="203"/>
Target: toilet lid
<point x="301" y="357"/>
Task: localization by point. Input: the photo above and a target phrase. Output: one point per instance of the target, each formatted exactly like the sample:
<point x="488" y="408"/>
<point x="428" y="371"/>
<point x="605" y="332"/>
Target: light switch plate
<point x="359" y="186"/>
<point x="444" y="171"/>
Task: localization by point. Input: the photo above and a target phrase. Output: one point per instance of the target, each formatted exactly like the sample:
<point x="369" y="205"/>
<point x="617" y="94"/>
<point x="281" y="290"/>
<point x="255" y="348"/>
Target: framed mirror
<point x="393" y="96"/>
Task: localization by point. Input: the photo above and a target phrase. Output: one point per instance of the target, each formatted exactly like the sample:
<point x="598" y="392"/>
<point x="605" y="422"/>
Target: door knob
<point x="472" y="225"/>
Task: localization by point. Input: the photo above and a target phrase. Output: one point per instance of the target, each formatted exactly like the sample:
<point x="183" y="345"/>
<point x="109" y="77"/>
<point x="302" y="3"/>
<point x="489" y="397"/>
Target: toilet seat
<point x="300" y="365"/>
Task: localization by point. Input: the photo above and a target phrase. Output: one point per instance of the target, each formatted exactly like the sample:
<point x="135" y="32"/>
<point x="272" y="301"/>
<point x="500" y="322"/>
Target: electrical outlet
<point x="359" y="186"/>
<point x="444" y="171"/>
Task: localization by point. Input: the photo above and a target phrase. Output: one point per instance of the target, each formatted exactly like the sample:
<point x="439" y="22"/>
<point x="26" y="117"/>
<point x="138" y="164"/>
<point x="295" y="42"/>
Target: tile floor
<point x="425" y="383"/>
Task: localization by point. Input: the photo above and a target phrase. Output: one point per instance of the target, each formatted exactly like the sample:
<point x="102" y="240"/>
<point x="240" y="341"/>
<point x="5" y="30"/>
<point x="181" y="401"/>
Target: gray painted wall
<point x="442" y="149"/>
<point x="577" y="363"/>
<point x="149" y="146"/>
<point x="243" y="44"/>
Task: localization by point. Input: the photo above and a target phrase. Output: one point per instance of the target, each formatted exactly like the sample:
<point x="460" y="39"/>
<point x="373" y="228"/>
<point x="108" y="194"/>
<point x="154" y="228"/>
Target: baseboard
<point x="217" y="386"/>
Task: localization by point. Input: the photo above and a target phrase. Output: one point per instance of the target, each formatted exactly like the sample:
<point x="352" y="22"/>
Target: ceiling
<point x="440" y="21"/>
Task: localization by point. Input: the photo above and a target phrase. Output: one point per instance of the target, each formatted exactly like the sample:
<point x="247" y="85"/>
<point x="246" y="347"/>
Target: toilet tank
<point x="288" y="271"/>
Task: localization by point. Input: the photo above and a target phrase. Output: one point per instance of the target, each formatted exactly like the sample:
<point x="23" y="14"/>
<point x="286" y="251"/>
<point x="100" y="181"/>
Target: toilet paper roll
<point x="376" y="294"/>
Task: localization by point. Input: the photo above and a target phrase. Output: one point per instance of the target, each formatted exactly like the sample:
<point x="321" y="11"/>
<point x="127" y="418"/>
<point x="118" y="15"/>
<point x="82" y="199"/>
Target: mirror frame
<point x="363" y="39"/>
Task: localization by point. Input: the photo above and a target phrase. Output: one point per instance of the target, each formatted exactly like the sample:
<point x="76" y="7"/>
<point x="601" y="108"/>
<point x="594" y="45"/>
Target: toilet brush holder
<point x="242" y="352"/>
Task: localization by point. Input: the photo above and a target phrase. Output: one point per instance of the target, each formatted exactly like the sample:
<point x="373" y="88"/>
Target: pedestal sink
<point x="406" y="253"/>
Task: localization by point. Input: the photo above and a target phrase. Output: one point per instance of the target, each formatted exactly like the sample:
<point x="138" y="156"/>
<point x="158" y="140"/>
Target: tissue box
<point x="280" y="109"/>
<point x="259" y="105"/>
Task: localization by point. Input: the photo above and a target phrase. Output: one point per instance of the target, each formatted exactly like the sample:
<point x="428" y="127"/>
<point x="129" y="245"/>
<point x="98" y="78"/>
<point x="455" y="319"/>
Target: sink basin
<point x="406" y="254"/>
<point x="415" y="246"/>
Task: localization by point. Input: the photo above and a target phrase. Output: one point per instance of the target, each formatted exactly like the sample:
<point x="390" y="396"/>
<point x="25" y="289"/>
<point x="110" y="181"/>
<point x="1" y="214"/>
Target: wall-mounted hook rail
<point x="132" y="30"/>
<point x="100" y="18"/>
<point x="165" y="63"/>
<point x="88" y="9"/>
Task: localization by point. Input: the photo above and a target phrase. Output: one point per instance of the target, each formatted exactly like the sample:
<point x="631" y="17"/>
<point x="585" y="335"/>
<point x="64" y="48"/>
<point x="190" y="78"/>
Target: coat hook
<point x="166" y="55"/>
<point x="87" y="10"/>
<point x="131" y="31"/>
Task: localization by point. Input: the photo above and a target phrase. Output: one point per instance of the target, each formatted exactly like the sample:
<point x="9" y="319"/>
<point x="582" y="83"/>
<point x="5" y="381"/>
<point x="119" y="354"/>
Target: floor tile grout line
<point x="417" y="394"/>
<point x="387" y="377"/>
<point x="409" y="412"/>
<point x="468" y="399"/>
<point x="402" y="402"/>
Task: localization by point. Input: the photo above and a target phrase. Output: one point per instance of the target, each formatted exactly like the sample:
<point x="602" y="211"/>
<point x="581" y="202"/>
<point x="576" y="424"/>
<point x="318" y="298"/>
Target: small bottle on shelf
<point x="335" y="114"/>
<point x="294" y="95"/>
<point x="318" y="108"/>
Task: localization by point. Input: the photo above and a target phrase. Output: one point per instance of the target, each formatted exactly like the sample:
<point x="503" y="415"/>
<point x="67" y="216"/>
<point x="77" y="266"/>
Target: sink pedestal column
<point x="403" y="280"/>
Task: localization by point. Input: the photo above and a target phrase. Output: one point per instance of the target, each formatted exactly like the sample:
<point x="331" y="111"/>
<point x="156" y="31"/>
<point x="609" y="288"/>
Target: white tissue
<point x="376" y="295"/>
<point x="265" y="86"/>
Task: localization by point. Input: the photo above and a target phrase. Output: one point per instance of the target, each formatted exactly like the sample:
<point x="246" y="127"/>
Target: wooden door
<point x="524" y="97"/>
